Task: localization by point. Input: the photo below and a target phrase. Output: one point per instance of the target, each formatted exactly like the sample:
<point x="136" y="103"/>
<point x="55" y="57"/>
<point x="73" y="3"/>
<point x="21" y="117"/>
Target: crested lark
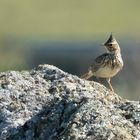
<point x="108" y="64"/>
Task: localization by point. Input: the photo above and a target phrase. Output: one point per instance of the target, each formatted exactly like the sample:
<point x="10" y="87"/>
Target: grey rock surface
<point x="49" y="104"/>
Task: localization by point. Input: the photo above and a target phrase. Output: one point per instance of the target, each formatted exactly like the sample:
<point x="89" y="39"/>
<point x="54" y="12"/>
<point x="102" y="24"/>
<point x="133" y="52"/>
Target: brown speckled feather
<point x="105" y="59"/>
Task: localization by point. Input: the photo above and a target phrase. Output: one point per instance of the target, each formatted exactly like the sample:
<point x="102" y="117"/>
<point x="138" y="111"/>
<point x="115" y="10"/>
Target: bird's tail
<point x="86" y="75"/>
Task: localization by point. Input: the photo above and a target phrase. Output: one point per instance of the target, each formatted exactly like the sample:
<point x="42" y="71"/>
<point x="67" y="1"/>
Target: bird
<point x="108" y="64"/>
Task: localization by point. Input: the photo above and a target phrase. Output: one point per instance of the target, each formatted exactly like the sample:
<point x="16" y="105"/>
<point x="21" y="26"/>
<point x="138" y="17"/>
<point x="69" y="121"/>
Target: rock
<point x="49" y="104"/>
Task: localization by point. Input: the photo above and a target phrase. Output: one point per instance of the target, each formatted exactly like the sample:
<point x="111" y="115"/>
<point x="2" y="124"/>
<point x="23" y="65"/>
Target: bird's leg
<point x="110" y="86"/>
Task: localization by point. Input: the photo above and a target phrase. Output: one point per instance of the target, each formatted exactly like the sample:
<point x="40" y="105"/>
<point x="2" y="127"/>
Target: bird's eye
<point x="109" y="44"/>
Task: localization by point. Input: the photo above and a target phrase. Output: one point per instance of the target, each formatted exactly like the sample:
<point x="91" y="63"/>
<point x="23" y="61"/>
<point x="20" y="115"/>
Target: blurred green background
<point x="68" y="34"/>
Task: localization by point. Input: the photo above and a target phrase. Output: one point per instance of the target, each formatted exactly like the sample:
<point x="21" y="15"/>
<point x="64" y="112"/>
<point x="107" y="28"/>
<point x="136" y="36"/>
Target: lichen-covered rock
<point x="49" y="104"/>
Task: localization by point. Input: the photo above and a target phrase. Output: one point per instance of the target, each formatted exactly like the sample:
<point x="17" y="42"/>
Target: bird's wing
<point x="100" y="61"/>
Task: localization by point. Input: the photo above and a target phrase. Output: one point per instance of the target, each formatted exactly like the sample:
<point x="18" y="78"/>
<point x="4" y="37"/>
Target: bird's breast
<point x="106" y="72"/>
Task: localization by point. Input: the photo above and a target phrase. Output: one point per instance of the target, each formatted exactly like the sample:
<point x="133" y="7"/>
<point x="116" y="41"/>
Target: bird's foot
<point x="112" y="96"/>
<point x="111" y="92"/>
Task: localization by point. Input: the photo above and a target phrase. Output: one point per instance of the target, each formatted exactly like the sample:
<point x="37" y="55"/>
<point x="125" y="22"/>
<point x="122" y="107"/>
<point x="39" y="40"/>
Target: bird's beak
<point x="102" y="44"/>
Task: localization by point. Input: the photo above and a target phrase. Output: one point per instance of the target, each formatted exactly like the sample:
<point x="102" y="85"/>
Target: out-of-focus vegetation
<point x="68" y="33"/>
<point x="69" y="18"/>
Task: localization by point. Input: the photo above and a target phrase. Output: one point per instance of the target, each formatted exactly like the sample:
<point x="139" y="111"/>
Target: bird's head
<point x="111" y="44"/>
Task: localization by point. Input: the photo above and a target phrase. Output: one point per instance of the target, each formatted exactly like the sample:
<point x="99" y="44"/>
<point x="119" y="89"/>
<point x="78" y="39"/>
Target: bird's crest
<point x="110" y="40"/>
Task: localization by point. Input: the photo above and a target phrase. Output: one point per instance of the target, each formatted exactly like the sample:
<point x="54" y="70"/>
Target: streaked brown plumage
<point x="108" y="64"/>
